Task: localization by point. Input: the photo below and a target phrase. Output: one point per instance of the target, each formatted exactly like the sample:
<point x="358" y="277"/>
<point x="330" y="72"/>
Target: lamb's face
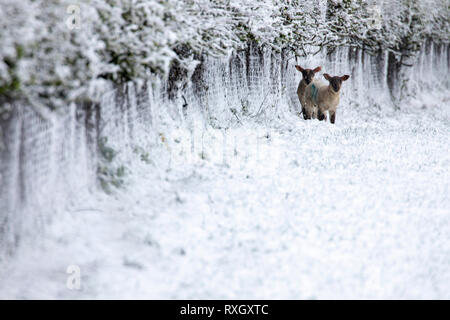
<point x="308" y="74"/>
<point x="336" y="82"/>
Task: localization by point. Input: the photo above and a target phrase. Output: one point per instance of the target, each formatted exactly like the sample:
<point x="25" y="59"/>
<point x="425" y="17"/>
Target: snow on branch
<point x="62" y="51"/>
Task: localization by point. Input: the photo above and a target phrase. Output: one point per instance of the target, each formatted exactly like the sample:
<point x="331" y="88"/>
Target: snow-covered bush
<point x="43" y="58"/>
<point x="16" y="35"/>
<point x="49" y="62"/>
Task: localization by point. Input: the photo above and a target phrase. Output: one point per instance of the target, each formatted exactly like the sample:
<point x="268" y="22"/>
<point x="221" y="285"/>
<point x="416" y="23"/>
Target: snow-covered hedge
<point x="55" y="52"/>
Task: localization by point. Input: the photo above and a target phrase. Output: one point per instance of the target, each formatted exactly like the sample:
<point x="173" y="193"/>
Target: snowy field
<point x="297" y="209"/>
<point x="155" y="146"/>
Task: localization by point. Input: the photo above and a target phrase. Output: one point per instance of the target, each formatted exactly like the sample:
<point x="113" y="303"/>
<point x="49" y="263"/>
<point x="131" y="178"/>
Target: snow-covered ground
<point x="296" y="209"/>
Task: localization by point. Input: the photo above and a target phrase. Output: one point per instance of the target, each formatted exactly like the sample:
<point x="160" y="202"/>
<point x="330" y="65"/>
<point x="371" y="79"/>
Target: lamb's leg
<point x="302" y="104"/>
<point x="304" y="113"/>
<point x="314" y="113"/>
<point x="322" y="115"/>
<point x="332" y="116"/>
<point x="307" y="113"/>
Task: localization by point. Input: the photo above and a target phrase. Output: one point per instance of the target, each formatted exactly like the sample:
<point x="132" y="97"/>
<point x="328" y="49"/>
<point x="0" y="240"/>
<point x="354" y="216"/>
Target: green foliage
<point x="10" y="85"/>
<point x="144" y="156"/>
<point x="109" y="173"/>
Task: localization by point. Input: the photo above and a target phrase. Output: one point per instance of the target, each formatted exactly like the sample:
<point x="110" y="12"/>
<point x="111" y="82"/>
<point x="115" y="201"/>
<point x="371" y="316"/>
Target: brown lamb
<point x="308" y="77"/>
<point x="324" y="97"/>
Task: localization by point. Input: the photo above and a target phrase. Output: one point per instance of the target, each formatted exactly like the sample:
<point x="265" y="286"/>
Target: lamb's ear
<point x="327" y="76"/>
<point x="345" y="77"/>
<point x="299" y="68"/>
<point x="317" y="69"/>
